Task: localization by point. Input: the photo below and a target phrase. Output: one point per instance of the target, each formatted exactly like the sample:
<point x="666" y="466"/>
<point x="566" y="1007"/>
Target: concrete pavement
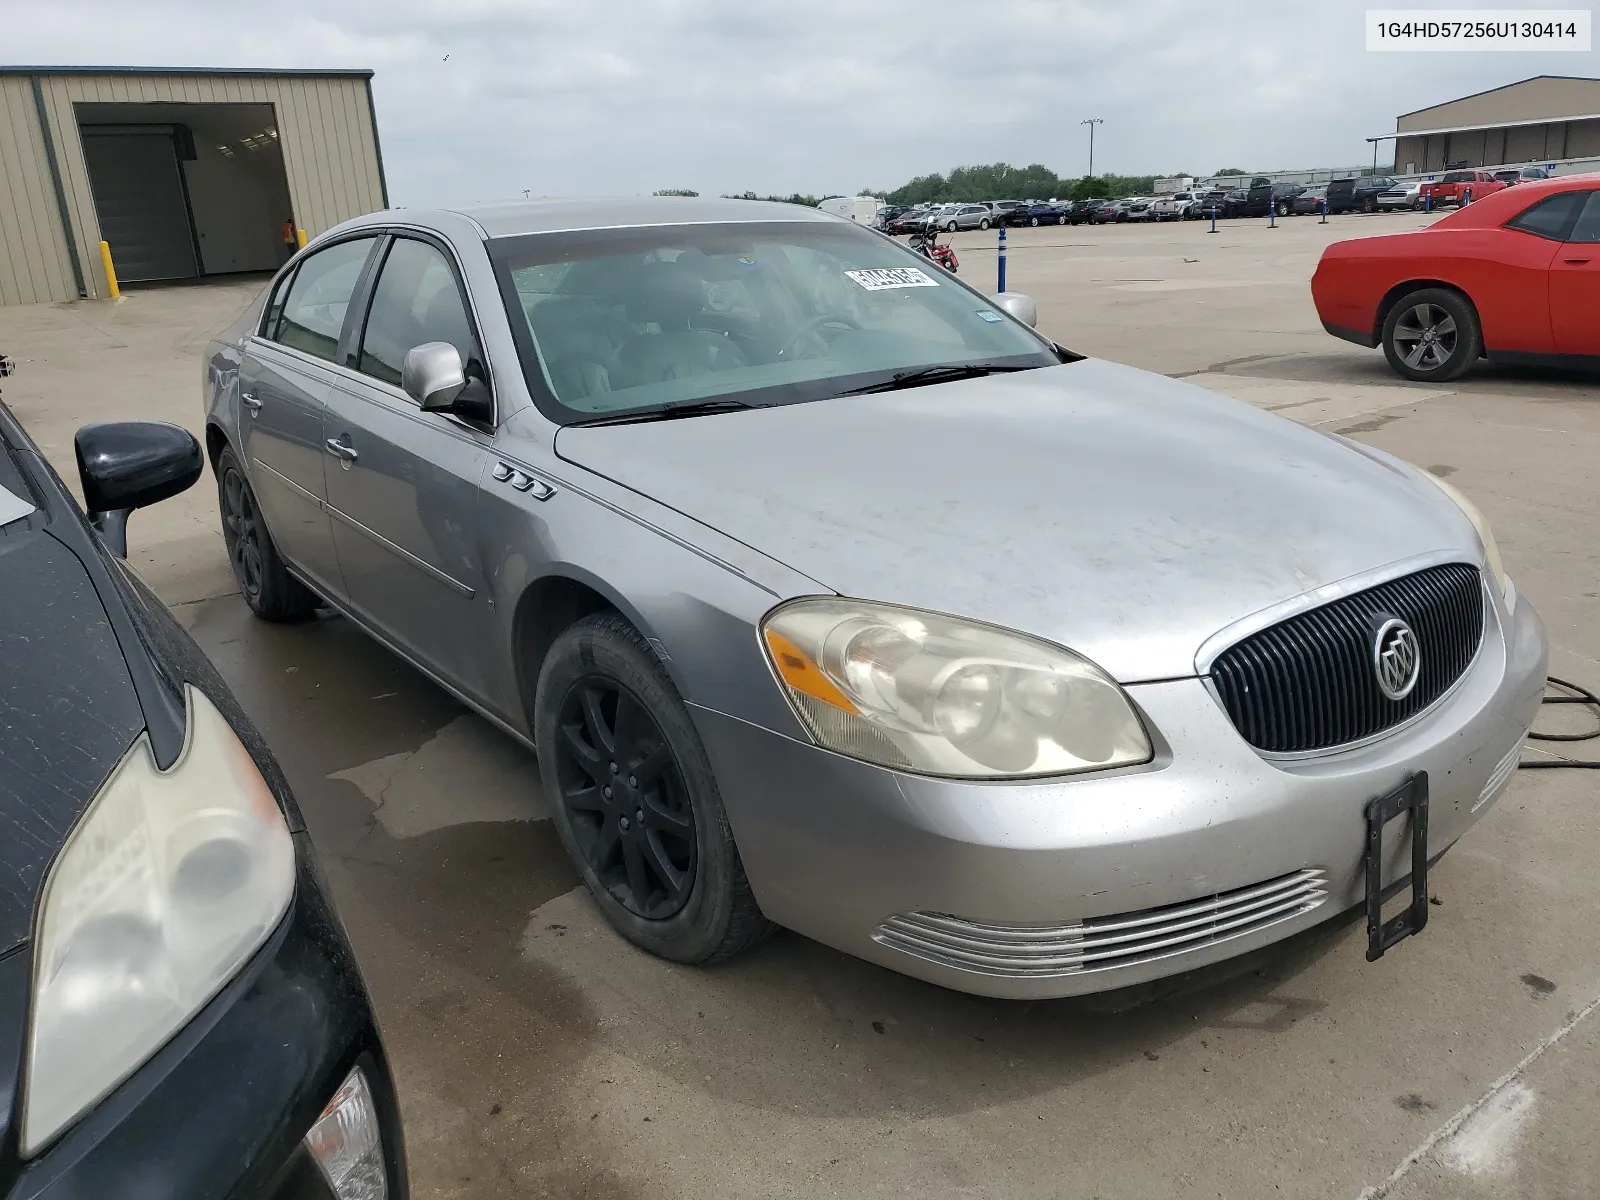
<point x="540" y="1055"/>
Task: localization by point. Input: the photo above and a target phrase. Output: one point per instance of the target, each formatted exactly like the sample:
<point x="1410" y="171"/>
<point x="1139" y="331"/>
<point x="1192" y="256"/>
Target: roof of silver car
<point x="550" y="216"/>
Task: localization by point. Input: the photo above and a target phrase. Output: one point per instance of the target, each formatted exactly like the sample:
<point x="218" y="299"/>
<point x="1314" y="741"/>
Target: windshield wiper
<point x="944" y="373"/>
<point x="670" y="412"/>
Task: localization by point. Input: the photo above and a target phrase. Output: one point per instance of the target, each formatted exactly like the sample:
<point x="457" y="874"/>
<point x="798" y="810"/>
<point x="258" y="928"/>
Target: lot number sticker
<point x="882" y="279"/>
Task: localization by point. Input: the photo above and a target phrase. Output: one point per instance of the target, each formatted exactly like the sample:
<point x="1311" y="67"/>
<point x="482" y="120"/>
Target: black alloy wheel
<point x="625" y="798"/>
<point x="265" y="583"/>
<point x="241" y="530"/>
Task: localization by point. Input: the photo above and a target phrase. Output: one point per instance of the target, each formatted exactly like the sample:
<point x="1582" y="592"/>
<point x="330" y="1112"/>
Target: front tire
<point x="1283" y="209"/>
<point x="265" y="583"/>
<point x="983" y="223"/>
<point x="633" y="798"/>
<point x="1432" y="335"/>
<point x="950" y="228"/>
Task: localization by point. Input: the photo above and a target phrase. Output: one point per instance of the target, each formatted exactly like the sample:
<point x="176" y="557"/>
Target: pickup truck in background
<point x="1452" y="189"/>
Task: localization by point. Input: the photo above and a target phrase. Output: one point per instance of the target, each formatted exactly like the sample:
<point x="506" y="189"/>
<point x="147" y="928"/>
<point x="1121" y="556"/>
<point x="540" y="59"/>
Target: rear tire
<point x="1432" y="335"/>
<point x="265" y="583"/>
<point x="596" y="672"/>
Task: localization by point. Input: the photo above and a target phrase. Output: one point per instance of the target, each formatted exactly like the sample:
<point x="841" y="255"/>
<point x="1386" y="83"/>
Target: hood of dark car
<point x="1123" y="514"/>
<point x="68" y="711"/>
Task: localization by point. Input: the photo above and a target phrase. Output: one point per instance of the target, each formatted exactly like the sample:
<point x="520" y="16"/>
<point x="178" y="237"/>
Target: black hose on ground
<point x="1579" y="695"/>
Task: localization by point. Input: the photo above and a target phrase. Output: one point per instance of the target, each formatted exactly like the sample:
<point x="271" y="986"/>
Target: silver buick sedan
<point x="832" y="596"/>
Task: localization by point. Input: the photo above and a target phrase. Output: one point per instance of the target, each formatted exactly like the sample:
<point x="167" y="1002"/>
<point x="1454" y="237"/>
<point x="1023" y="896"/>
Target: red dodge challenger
<point x="1514" y="277"/>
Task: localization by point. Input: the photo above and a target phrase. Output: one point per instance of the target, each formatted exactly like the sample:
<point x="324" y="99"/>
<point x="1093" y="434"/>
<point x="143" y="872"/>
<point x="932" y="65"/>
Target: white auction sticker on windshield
<point x="881" y="279"/>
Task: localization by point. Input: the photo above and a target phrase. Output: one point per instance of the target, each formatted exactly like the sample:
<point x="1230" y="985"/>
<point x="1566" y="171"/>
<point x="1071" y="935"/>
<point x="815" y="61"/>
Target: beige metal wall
<point x="34" y="265"/>
<point x="1549" y="97"/>
<point x="324" y="125"/>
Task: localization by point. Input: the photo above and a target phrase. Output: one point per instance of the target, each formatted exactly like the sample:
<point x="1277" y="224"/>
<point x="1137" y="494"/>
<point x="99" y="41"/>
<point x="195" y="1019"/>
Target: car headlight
<point x="167" y="885"/>
<point x="942" y="696"/>
<point x="1491" y="548"/>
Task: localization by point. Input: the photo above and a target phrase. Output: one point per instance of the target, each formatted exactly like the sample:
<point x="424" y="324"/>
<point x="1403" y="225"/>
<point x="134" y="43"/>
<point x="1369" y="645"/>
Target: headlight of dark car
<point x="169" y="883"/>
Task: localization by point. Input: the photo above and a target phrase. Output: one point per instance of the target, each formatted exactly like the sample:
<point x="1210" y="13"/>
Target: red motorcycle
<point x="926" y="243"/>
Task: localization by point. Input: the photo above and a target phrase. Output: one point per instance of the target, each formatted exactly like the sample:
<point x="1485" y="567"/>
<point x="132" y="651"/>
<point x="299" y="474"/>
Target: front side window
<point x="314" y="308"/>
<point x="632" y="320"/>
<point x="1587" y="229"/>
<point x="1550" y="217"/>
<point x="415" y="301"/>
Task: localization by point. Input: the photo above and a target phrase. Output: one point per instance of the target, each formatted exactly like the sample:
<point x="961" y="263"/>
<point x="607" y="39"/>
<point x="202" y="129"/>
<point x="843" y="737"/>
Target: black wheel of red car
<point x="633" y="798"/>
<point x="1432" y="335"/>
<point x="265" y="583"/>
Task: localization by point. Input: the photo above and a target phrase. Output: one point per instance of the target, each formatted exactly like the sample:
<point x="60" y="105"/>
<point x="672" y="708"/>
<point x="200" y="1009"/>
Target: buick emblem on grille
<point x="1396" y="658"/>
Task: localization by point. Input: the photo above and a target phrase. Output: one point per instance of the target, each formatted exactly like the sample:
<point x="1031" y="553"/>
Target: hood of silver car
<point x="1122" y="514"/>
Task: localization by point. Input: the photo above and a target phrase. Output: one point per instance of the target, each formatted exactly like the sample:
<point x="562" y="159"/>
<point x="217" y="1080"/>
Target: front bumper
<point x="1076" y="885"/>
<point x="221" y="1109"/>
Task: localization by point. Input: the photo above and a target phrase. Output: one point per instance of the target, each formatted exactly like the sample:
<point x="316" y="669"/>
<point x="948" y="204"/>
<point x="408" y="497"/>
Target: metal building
<point x="1546" y="119"/>
<point x="183" y="173"/>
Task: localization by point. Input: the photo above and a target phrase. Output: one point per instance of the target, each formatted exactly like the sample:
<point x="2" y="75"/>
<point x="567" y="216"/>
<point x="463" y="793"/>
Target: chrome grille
<point x="1103" y="943"/>
<point x="1308" y="683"/>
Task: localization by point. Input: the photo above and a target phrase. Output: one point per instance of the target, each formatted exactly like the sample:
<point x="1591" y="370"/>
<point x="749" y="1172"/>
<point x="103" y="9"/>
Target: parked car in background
<point x="1205" y="202"/>
<point x="1138" y="208"/>
<point x="1515" y="175"/>
<point x="1357" y="195"/>
<point x="1457" y="186"/>
<point x="935" y="217"/>
<point x="1514" y="277"/>
<point x="1309" y="202"/>
<point x="1037" y="214"/>
<point x="1001" y="210"/>
<point x="1083" y="211"/>
<point x="999" y="750"/>
<point x="1170" y="208"/>
<point x="1235" y="203"/>
<point x="964" y="216"/>
<point x="1264" y="197"/>
<point x="180" y="1010"/>
<point x="1402" y="196"/>
<point x="1111" y="212"/>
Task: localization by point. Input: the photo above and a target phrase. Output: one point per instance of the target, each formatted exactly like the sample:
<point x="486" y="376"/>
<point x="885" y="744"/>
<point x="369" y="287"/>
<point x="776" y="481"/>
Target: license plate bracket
<point x="1410" y="798"/>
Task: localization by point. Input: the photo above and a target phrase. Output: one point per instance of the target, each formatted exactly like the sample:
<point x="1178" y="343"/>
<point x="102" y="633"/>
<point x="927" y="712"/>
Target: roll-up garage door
<point x="139" y="198"/>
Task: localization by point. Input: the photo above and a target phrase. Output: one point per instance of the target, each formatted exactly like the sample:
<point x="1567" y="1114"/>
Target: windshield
<point x="624" y="320"/>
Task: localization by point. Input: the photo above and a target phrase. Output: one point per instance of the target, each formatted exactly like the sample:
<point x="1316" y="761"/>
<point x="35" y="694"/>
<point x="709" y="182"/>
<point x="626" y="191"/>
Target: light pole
<point x="1091" y="123"/>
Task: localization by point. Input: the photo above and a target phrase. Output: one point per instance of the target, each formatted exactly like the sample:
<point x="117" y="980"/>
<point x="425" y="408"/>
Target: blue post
<point x="1324" y="220"/>
<point x="1427" y="199"/>
<point x="1002" y="229"/>
<point x="1213" y="228"/>
<point x="1272" y="212"/>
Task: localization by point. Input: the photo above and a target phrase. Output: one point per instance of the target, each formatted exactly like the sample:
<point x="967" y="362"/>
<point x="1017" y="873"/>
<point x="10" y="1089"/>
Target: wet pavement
<point x="539" y="1055"/>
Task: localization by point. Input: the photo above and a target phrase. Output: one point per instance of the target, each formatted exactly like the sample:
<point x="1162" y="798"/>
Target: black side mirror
<point x="124" y="465"/>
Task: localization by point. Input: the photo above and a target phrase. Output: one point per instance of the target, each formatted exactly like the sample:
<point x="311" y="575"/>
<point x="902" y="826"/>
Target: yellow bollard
<point x="300" y="236"/>
<point x="111" y="271"/>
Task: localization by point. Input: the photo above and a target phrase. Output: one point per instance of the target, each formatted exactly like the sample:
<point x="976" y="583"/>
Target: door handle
<point x="339" y="450"/>
<point x="250" y="401"/>
<point x="1576" y="262"/>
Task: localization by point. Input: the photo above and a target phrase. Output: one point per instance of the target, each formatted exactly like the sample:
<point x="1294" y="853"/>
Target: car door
<point x="1506" y="271"/>
<point x="1575" y="284"/>
<point x="403" y="483"/>
<point x="285" y="372"/>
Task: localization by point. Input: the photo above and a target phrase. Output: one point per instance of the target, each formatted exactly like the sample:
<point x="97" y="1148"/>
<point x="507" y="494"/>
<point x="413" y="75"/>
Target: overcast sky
<point x="584" y="97"/>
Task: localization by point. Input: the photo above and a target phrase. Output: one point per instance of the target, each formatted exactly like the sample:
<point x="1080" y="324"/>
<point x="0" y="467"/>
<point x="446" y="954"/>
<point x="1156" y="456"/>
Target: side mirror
<point x="433" y="375"/>
<point x="1019" y="306"/>
<point x="124" y="465"/>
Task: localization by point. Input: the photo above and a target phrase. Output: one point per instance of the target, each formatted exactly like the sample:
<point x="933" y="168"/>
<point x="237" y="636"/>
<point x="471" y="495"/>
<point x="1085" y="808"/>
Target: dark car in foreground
<point x="180" y="1011"/>
<point x="1514" y="277"/>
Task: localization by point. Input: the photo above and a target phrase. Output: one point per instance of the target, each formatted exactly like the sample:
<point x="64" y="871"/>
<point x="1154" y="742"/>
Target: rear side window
<point x="1588" y="227"/>
<point x="1550" y="217"/>
<point x="318" y="298"/>
<point x="416" y="301"/>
